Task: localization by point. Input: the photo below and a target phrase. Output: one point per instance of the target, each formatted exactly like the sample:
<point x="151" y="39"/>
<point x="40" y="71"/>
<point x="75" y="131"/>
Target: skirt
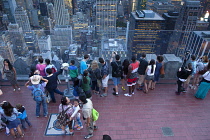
<point x="202" y="90"/>
<point x="13" y="124"/>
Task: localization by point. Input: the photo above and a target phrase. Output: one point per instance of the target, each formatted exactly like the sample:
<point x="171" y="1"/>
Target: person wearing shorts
<point x="132" y="76"/>
<point x="105" y="76"/>
<point x="116" y="72"/>
<point x="141" y="70"/>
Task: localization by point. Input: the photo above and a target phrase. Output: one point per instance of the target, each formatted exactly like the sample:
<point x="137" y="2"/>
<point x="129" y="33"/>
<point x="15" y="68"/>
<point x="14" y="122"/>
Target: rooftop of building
<point x="146" y="15"/>
<point x="140" y="117"/>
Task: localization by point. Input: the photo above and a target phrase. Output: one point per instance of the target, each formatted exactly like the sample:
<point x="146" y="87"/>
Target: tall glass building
<point x="106" y="15"/>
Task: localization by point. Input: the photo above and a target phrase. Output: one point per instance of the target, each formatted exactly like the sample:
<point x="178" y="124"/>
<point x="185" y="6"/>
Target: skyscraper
<point x="21" y="18"/>
<point x="144" y="35"/>
<point x="9" y="7"/>
<point x="59" y="7"/>
<point x="186" y="23"/>
<point x="106" y="14"/>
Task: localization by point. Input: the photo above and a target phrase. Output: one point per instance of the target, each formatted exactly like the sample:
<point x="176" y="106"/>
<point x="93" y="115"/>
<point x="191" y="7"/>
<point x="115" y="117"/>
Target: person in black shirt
<point x="116" y="72"/>
<point x="52" y="83"/>
<point x="142" y="70"/>
<point x="182" y="75"/>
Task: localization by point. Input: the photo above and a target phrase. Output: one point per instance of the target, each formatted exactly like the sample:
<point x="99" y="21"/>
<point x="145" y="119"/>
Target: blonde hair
<point x="205" y="59"/>
<point x="94" y="65"/>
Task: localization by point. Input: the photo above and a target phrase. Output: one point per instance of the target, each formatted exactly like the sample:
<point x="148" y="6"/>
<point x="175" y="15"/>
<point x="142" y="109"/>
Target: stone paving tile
<point x="135" y="118"/>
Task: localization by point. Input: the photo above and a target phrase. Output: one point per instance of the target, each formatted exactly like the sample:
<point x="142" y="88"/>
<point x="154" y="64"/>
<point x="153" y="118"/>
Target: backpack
<point x="63" y="117"/>
<point x="38" y="94"/>
<point x="118" y="71"/>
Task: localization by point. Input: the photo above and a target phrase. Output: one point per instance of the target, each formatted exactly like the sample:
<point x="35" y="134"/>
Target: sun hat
<point x="35" y="79"/>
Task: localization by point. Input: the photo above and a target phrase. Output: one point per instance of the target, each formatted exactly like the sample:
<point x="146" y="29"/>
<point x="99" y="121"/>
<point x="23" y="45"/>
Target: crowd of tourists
<point x="135" y="74"/>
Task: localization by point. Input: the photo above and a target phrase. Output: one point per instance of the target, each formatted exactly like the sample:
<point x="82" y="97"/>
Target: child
<point x="73" y="71"/>
<point x="77" y="115"/>
<point x="23" y="116"/>
<point x="86" y="84"/>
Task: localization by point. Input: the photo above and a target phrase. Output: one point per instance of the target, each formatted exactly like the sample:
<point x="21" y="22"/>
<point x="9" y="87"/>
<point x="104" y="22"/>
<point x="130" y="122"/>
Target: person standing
<point x="204" y="86"/>
<point x="86" y="84"/>
<point x="116" y="71"/>
<point x="73" y="71"/>
<point x="87" y="114"/>
<point x="52" y="83"/>
<point x="41" y="66"/>
<point x="67" y="106"/>
<point x="125" y="65"/>
<point x="193" y="63"/>
<point x="11" y="113"/>
<point x="95" y="76"/>
<point x="132" y="76"/>
<point x="105" y="76"/>
<point x="83" y="64"/>
<point x="150" y="71"/>
<point x="49" y="65"/>
<point x="159" y="66"/>
<point x="183" y="74"/>
<point x="23" y="116"/>
<point x="10" y="72"/>
<point x="142" y="70"/>
<point x="35" y="80"/>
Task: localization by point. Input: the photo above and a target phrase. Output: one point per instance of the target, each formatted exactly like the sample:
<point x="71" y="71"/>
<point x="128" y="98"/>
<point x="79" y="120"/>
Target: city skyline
<point x="156" y="27"/>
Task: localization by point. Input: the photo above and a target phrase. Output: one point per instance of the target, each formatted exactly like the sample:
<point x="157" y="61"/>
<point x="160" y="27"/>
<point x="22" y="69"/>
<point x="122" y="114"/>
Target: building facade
<point x="144" y="35"/>
<point x="106" y="15"/>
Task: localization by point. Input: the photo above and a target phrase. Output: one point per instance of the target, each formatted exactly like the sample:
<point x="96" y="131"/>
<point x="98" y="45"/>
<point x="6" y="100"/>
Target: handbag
<point x="162" y="72"/>
<point x="95" y="115"/>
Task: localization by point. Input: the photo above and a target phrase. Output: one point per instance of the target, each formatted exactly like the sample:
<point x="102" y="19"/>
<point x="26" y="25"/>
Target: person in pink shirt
<point x="41" y="66"/>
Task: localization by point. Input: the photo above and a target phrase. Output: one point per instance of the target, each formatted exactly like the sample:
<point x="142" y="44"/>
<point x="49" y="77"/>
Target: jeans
<point x="24" y="121"/>
<point x="79" y="122"/>
<point x="95" y="86"/>
<point x="44" y="104"/>
<point x="51" y="91"/>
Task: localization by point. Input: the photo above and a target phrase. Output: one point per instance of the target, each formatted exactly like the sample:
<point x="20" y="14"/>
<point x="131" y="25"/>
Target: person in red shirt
<point x="132" y="76"/>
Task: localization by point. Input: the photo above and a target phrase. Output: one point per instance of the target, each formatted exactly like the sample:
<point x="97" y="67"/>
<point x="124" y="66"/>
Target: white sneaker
<point x="128" y="95"/>
<point x="14" y="89"/>
<point x="133" y="93"/>
<point x="18" y="88"/>
<point x="63" y="132"/>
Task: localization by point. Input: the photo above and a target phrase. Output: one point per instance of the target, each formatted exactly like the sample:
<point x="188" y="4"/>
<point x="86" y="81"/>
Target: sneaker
<point x="71" y="133"/>
<point x="45" y="116"/>
<point x="184" y="91"/>
<point x="76" y="126"/>
<point x="19" y="89"/>
<point x="133" y="93"/>
<point x="103" y="95"/>
<point x="14" y="89"/>
<point x="116" y="94"/>
<point x="37" y="116"/>
<point x="88" y="136"/>
<point x="7" y="134"/>
<point x="191" y="87"/>
<point x="123" y="88"/>
<point x="79" y="127"/>
<point x="128" y="95"/>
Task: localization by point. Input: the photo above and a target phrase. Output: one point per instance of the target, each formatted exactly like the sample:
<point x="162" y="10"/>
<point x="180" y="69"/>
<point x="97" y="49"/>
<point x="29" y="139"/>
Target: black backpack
<point x="118" y="71"/>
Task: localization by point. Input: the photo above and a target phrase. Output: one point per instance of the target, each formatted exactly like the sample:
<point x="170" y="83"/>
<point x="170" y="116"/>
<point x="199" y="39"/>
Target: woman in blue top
<point x="159" y="65"/>
<point x="11" y="113"/>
